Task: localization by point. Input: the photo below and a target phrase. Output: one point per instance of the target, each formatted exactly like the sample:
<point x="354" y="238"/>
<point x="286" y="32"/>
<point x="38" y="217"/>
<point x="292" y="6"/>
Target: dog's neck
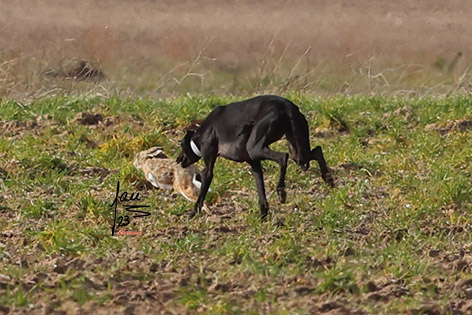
<point x="195" y="148"/>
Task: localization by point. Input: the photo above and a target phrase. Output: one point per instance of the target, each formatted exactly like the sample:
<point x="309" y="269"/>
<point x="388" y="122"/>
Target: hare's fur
<point x="165" y="173"/>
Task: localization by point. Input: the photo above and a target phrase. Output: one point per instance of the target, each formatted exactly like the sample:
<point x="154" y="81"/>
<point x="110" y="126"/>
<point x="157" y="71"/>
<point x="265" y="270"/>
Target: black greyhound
<point x="242" y="132"/>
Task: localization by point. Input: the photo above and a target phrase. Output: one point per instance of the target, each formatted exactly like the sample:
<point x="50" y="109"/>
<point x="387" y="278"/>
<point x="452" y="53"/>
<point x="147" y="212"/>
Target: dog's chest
<point x="235" y="151"/>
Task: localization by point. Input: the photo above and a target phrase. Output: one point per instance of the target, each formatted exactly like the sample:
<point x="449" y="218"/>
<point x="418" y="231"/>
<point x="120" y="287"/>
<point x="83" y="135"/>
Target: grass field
<point x="394" y="236"/>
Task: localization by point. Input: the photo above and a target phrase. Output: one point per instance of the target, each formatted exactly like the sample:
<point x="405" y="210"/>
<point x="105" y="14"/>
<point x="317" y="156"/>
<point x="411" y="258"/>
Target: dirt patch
<point x="461" y="125"/>
<point x="109" y="123"/>
<point x="334" y="129"/>
<point x="384" y="290"/>
<point x="453" y="261"/>
<point x="3" y="174"/>
<point x="100" y="172"/>
<point x="86" y="118"/>
<point x="16" y="127"/>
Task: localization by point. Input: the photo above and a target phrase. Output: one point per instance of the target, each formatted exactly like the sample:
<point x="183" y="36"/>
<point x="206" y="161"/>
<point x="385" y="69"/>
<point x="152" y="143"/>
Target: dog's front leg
<point x="206" y="181"/>
<point x="259" y="177"/>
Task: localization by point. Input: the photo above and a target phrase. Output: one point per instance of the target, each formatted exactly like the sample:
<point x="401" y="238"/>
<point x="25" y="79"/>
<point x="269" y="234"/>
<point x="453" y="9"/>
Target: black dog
<point x="242" y="132"/>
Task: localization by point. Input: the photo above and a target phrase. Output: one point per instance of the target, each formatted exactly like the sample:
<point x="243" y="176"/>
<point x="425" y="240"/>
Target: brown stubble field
<point x="162" y="48"/>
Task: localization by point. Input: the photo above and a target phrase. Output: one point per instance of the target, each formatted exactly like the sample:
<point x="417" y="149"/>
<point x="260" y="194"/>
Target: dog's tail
<point x="298" y="138"/>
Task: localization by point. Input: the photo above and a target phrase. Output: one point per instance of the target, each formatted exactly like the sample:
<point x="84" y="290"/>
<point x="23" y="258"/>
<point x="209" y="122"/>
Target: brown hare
<point x="167" y="174"/>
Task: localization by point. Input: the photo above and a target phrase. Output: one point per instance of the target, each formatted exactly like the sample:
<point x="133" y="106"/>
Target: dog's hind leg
<point x="299" y="145"/>
<point x="299" y="140"/>
<point x="259" y="178"/>
<point x="264" y="133"/>
<point x="317" y="154"/>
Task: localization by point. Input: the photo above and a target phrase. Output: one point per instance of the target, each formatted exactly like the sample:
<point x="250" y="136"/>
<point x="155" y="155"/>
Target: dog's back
<point x="234" y="123"/>
<point x="239" y="114"/>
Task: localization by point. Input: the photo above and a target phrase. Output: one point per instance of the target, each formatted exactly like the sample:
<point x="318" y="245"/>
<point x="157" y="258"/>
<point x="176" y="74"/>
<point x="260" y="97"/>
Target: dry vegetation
<point x="239" y="47"/>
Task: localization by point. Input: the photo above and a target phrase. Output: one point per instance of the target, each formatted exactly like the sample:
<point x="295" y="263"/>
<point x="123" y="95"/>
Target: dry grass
<point x="239" y="47"/>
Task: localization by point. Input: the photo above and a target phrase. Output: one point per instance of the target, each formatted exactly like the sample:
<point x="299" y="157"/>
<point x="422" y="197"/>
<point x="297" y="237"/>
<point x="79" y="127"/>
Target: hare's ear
<point x="156" y="152"/>
<point x="189" y="135"/>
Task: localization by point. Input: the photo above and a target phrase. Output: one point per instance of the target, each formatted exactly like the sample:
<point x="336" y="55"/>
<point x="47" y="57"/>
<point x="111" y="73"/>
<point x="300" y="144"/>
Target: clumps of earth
<point x="460" y="125"/>
<point x="335" y="127"/>
<point x="91" y="119"/>
<point x="86" y="118"/>
<point x="13" y="128"/>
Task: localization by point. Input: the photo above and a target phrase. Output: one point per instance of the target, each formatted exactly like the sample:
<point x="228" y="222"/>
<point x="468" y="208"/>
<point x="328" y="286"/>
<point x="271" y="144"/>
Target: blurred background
<point x="165" y="48"/>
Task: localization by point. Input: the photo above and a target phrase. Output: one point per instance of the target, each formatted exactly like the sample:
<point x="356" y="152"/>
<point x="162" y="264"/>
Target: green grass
<point x="393" y="236"/>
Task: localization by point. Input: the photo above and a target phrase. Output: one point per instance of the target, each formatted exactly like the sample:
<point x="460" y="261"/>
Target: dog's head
<point x="187" y="156"/>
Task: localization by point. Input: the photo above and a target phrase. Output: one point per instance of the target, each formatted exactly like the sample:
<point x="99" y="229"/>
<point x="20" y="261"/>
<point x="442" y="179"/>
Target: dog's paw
<point x="264" y="216"/>
<point x="329" y="179"/>
<point x="282" y="194"/>
<point x="192" y="214"/>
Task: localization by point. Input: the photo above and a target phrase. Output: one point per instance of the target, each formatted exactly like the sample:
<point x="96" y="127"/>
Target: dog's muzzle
<point x="180" y="159"/>
<point x="183" y="161"/>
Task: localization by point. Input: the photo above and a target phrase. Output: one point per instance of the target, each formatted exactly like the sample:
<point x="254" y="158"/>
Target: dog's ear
<point x="189" y="134"/>
<point x="186" y="140"/>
